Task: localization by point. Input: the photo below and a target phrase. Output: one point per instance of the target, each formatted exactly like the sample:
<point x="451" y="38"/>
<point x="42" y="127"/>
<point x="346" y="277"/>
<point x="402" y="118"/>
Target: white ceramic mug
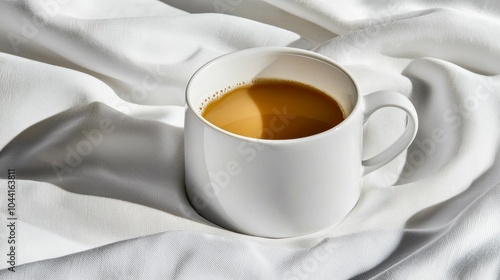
<point x="281" y="188"/>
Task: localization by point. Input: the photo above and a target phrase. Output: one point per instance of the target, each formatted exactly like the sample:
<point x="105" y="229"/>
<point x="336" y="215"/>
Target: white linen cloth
<point x="91" y="116"/>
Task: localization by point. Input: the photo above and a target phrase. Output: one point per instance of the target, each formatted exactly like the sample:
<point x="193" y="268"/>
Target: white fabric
<point x="91" y="116"/>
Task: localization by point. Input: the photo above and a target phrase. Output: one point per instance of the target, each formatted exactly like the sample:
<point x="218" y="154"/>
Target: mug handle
<point x="380" y="99"/>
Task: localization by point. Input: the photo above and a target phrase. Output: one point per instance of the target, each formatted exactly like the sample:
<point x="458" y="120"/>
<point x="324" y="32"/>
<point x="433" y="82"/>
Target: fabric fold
<point x="91" y="119"/>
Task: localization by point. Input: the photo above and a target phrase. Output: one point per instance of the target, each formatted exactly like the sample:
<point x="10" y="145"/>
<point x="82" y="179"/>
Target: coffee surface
<point x="274" y="109"/>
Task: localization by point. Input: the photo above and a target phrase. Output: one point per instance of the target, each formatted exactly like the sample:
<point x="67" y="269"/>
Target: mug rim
<point x="275" y="50"/>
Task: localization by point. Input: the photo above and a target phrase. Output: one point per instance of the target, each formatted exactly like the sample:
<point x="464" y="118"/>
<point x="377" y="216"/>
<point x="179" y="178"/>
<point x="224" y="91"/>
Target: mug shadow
<point x="293" y="110"/>
<point x="98" y="151"/>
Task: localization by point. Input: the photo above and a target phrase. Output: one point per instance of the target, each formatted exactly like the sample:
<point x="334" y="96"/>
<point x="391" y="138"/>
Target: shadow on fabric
<point x="96" y="150"/>
<point x="462" y="218"/>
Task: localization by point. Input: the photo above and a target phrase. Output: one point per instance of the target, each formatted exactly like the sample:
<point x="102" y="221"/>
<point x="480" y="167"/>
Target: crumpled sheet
<point x="91" y="119"/>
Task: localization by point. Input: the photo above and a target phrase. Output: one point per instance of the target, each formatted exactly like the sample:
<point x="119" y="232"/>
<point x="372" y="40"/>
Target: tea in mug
<point x="274" y="109"/>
